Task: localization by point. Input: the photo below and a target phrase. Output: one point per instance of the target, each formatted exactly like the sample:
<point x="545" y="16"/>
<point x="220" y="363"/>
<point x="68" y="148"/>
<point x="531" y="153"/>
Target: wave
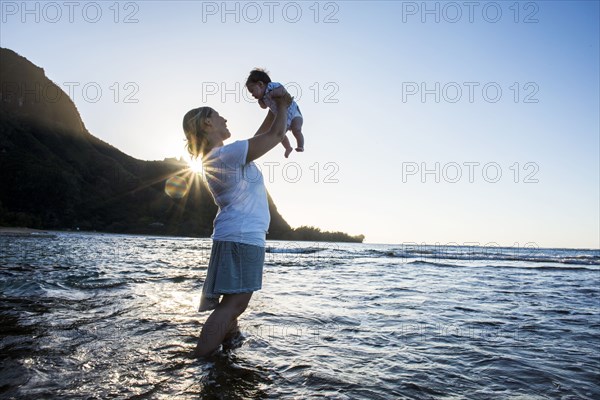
<point x="527" y="255"/>
<point x="541" y="267"/>
<point x="293" y="250"/>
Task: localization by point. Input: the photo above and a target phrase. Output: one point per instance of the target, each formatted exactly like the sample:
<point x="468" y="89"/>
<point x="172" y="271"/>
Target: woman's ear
<point x="206" y="122"/>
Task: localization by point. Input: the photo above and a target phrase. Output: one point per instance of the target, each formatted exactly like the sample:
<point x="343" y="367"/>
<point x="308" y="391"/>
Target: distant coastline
<point x="302" y="234"/>
<point x="20" y="231"/>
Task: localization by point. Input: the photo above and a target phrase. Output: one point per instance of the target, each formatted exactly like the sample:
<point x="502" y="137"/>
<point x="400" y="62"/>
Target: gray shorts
<point x="233" y="268"/>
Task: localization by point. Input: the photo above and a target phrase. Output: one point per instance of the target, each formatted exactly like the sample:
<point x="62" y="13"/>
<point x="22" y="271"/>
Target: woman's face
<point x="257" y="90"/>
<point x="220" y="125"/>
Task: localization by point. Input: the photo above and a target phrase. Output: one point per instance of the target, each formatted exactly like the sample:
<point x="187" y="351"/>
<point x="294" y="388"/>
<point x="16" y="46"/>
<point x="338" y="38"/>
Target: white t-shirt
<point x="239" y="191"/>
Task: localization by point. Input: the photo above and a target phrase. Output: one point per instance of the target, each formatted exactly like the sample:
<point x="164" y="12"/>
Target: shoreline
<point x="17" y="231"/>
<point x="20" y="231"/>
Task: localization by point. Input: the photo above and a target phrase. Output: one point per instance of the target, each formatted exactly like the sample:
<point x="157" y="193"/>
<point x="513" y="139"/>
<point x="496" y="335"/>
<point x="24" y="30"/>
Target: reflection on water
<point x="86" y="315"/>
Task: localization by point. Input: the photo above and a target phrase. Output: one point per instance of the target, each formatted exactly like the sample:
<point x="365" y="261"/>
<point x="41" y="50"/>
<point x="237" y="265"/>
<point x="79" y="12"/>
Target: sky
<point x="469" y="123"/>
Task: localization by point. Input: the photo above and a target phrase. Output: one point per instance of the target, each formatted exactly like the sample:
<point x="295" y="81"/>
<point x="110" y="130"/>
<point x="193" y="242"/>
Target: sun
<point x="195" y="165"/>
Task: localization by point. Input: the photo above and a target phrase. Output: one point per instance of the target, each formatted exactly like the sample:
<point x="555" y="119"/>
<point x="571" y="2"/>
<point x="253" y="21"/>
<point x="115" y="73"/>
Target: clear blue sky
<point x="359" y="80"/>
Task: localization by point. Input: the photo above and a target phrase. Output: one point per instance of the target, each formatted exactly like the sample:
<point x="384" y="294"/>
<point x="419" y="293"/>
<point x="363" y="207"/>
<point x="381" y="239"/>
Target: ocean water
<point x="115" y="316"/>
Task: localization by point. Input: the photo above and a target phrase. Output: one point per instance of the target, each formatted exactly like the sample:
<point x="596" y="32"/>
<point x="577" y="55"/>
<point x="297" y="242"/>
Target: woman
<point x="238" y="250"/>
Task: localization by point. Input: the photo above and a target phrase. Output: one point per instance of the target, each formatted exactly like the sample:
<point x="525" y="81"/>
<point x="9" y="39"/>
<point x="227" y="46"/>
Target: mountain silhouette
<point x="57" y="175"/>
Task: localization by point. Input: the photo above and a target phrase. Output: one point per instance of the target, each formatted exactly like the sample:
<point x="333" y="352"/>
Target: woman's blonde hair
<point x="192" y="127"/>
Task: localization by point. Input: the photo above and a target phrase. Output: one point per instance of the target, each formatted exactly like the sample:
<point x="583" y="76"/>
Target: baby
<point x="260" y="86"/>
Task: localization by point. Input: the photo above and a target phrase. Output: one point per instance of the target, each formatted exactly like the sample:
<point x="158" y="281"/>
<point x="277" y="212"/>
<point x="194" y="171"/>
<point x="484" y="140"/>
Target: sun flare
<point x="195" y="165"/>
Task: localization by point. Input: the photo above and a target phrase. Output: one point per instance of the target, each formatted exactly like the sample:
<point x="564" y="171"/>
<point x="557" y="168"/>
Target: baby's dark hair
<point x="258" y="75"/>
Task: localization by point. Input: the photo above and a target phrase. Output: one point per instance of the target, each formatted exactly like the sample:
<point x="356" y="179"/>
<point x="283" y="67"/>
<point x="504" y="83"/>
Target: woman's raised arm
<point x="263" y="142"/>
<point x="266" y="123"/>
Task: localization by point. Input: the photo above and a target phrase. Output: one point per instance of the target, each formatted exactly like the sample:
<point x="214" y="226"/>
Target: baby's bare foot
<point x="287" y="152"/>
<point x="299" y="149"/>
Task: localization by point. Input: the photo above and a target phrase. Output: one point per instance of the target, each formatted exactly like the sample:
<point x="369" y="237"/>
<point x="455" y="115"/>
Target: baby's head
<point x="257" y="82"/>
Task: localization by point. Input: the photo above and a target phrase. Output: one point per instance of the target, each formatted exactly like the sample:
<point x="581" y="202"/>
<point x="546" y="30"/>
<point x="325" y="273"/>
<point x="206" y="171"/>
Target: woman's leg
<point x="235" y="329"/>
<point x="220" y="322"/>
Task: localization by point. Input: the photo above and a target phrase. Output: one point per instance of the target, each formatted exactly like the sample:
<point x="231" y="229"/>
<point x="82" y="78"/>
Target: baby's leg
<point x="296" y="127"/>
<point x="288" y="147"/>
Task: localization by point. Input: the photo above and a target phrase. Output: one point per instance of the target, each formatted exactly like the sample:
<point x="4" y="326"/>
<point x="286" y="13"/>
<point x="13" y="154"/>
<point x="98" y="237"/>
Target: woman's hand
<point x="284" y="101"/>
<point x="281" y="97"/>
